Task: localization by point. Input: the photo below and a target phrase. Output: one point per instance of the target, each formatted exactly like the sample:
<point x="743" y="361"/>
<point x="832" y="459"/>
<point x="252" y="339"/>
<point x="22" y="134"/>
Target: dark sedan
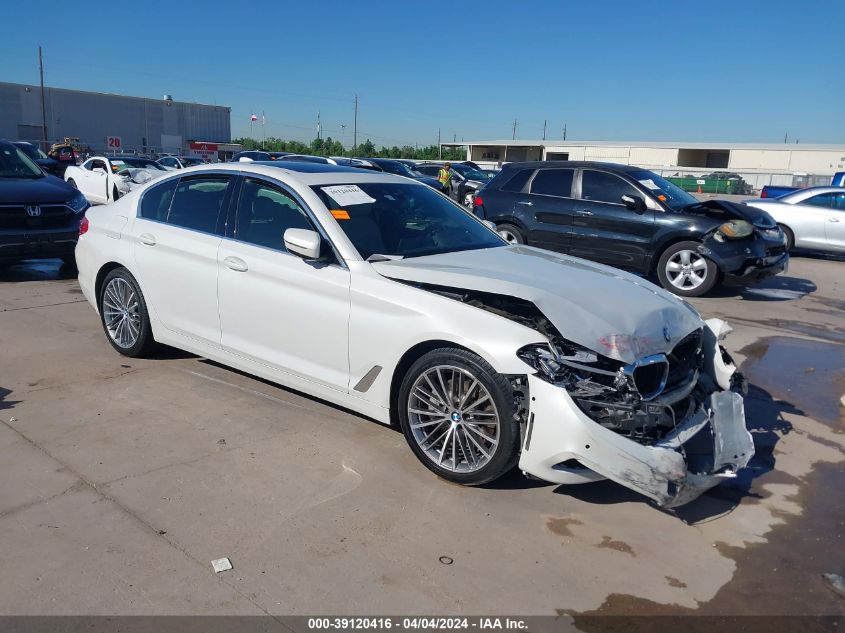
<point x="401" y="168"/>
<point x="632" y="218"/>
<point x="39" y="213"/>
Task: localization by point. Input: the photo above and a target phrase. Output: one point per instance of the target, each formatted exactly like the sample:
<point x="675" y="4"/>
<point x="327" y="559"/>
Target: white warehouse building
<point x="758" y="164"/>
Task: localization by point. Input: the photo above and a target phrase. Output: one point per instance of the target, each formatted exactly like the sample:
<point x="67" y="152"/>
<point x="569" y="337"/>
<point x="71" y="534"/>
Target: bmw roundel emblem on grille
<point x="666" y="336"/>
<point x="34" y="210"/>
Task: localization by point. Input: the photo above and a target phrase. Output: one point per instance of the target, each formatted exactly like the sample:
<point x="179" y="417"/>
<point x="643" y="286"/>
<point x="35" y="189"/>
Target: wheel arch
<point x="666" y="244"/>
<point x="411" y="356"/>
<point x="104" y="270"/>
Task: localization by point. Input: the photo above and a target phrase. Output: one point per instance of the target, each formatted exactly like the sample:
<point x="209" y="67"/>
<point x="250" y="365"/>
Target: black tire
<point x="115" y="194"/>
<point x="506" y="452"/>
<point x="695" y="288"/>
<point x="144" y="343"/>
<point x="513" y="234"/>
<point x="72" y="183"/>
<point x="790" y="237"/>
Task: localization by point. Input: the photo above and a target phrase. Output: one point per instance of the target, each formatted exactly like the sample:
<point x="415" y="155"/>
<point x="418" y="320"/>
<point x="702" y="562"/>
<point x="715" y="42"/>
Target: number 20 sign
<point x="113" y="142"/>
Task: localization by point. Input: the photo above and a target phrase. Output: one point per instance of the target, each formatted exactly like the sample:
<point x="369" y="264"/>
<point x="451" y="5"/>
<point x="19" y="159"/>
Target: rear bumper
<point x="32" y="244"/>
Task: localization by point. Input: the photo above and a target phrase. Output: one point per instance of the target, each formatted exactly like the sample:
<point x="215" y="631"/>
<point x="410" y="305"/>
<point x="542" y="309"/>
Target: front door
<point x="276" y="308"/>
<point x="604" y="229"/>
<point x="835" y="225"/>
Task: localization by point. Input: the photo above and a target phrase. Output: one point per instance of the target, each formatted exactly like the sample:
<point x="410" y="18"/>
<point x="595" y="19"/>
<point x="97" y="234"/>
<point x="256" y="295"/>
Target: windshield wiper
<point x="378" y="257"/>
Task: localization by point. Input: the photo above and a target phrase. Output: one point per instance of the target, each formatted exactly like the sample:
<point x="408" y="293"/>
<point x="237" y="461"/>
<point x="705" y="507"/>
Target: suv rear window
<point x="517" y="182"/>
<point x="553" y="182"/>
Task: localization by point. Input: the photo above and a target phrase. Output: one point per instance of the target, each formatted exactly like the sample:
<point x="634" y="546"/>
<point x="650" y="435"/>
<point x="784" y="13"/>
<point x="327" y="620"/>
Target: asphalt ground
<point x="122" y="479"/>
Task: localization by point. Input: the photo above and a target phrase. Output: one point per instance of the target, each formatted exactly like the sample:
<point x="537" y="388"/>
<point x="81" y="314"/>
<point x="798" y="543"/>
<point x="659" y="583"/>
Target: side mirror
<point x="303" y="242"/>
<point x="634" y="203"/>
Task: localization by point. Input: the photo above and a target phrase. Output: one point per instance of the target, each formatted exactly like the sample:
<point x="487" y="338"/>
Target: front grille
<point x="684" y="359"/>
<point x="52" y="216"/>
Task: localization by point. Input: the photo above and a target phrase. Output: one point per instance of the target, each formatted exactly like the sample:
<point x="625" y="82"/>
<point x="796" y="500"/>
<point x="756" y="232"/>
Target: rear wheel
<point x="684" y="271"/>
<point x="123" y="313"/>
<point x="790" y="236"/>
<point x="510" y="233"/>
<point x="458" y="417"/>
<point x="72" y="183"/>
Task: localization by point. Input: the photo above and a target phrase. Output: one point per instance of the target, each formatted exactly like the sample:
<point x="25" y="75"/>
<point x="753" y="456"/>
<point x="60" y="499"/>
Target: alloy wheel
<point x="121" y="313"/>
<point x="453" y="419"/>
<point x="508" y="236"/>
<point x="686" y="269"/>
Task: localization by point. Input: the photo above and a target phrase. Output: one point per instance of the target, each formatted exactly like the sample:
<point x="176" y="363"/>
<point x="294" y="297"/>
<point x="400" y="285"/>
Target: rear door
<point x="176" y="239"/>
<point x="603" y="228"/>
<point x="835" y="225"/>
<point x="95" y="181"/>
<point x="546" y="206"/>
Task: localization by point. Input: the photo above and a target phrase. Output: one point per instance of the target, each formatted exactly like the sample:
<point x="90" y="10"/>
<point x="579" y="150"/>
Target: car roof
<point x="305" y="173"/>
<point x="536" y="164"/>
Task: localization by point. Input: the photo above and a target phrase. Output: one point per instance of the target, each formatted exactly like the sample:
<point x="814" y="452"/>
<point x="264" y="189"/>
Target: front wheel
<point x="469" y="196"/>
<point x="684" y="271"/>
<point x="123" y="313"/>
<point x="115" y="194"/>
<point x="458" y="416"/>
<point x="789" y="235"/>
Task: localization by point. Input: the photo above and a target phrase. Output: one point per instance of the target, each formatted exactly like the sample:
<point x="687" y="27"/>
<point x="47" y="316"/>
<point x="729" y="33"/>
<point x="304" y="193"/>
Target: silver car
<point x="811" y="218"/>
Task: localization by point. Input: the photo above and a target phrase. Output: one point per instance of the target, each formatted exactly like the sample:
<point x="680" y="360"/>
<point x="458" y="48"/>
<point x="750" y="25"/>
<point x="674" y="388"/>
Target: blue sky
<point x="741" y="70"/>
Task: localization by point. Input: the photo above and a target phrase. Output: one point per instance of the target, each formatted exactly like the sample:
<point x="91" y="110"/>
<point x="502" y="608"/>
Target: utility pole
<point x="439" y="146"/>
<point x="785" y="135"/>
<point x="514" y="130"/>
<point x="355" y="125"/>
<point x="544" y="129"/>
<point x="564" y="131"/>
<point x="43" y="109"/>
<point x="319" y="127"/>
<point x="343" y="135"/>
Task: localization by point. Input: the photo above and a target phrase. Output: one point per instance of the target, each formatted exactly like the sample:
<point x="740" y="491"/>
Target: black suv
<point x="631" y="218"/>
<point x="39" y="213"/>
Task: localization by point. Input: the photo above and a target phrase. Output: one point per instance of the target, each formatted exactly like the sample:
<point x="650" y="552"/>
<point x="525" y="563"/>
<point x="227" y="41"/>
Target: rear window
<point x="156" y="201"/>
<point x="553" y="182"/>
<point x="516" y="183"/>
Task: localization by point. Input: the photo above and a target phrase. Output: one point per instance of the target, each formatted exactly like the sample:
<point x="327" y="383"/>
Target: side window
<point x="88" y="165"/>
<point x="156" y="201"/>
<point x="553" y="182"/>
<point x="516" y="182"/>
<point x="600" y="186"/>
<point x="822" y="200"/>
<point x="98" y="164"/>
<point x="265" y="212"/>
<point x="839" y="202"/>
<point x="197" y="203"/>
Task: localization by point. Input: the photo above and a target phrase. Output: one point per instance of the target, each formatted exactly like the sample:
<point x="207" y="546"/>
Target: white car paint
<point x="322" y="328"/>
<point x="816" y="216"/>
<point x="98" y="178"/>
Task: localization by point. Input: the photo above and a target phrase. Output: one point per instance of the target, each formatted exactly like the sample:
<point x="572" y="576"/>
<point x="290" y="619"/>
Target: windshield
<point x="403" y="219"/>
<point x="141" y="163"/>
<point x="190" y="162"/>
<point x="668" y="193"/>
<point x="400" y="169"/>
<point x="15" y="164"/>
<point x="33" y="152"/>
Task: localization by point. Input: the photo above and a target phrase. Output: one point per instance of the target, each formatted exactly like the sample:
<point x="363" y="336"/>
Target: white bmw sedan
<point x="379" y="294"/>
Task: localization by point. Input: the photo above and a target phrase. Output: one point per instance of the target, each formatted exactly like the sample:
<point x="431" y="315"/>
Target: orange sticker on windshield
<point x="340" y="214"/>
<point x="661" y="198"/>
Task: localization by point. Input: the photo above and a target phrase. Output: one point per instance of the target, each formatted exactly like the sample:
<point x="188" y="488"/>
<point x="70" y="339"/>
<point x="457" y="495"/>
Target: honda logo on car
<point x="33" y="210"/>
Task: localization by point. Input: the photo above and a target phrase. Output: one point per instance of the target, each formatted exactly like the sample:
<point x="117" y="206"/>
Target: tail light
<point x="764" y="194"/>
<point x="83" y="226"/>
<point x="478" y="202"/>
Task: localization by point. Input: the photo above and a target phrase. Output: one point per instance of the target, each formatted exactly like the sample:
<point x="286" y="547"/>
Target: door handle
<point x="584" y="213"/>
<point x="146" y="238"/>
<point x="527" y="203"/>
<point x="236" y="264"/>
<point x="833" y="219"/>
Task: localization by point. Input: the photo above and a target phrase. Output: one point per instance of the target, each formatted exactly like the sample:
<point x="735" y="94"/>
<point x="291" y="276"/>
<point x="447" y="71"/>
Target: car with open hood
<point x="104" y="179"/>
<point x="39" y="213"/>
<point x="632" y="218"/>
<point x="379" y="294"/>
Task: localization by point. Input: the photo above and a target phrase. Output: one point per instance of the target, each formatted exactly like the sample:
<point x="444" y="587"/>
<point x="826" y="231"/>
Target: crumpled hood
<point x="609" y="311"/>
<point x="726" y="210"/>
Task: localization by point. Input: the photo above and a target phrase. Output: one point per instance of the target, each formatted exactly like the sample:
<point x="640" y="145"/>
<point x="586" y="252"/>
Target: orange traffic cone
<point x="699" y="188"/>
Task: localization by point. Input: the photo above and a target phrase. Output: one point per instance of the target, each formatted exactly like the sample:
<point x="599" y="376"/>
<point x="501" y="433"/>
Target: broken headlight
<point x="733" y="230"/>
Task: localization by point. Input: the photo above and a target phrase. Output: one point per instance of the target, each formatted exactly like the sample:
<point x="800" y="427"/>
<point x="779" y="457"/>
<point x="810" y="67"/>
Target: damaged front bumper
<point x="710" y="446"/>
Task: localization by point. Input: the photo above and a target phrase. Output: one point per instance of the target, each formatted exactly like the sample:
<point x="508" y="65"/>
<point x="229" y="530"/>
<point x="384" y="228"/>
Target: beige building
<point x="758" y="163"/>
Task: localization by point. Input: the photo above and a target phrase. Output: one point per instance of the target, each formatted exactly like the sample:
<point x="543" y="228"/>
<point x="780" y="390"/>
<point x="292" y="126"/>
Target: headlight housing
<point x="734" y="230"/>
<point x="78" y="202"/>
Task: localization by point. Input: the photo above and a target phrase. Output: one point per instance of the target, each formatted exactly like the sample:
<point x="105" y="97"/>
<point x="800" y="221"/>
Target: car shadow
<point x="779" y="288"/>
<point x="36" y="270"/>
<point x="6" y="404"/>
<point x="765" y="421"/>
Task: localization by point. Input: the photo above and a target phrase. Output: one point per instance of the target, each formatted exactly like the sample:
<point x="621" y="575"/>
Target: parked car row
<point x="411" y="310"/>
